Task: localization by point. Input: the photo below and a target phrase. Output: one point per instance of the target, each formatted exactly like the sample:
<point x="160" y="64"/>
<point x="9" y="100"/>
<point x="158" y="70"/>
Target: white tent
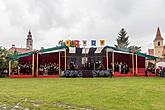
<point x="162" y="64"/>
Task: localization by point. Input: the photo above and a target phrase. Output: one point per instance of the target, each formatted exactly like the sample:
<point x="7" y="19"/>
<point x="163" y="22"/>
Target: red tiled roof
<point x="158" y="35"/>
<point x="19" y="50"/>
<point x="151" y="51"/>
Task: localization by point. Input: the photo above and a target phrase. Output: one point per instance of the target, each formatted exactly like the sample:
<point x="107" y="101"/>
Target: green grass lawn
<point x="134" y="93"/>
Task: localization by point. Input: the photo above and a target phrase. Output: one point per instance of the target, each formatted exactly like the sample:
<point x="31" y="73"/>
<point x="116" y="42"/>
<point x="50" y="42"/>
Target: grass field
<point x="135" y="93"/>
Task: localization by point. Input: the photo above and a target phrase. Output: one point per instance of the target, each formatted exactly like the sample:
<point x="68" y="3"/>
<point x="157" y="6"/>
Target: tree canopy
<point x="4" y="57"/>
<point x="123" y="42"/>
<point x="122" y="39"/>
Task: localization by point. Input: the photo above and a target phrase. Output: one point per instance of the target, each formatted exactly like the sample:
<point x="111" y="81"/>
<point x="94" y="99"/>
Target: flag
<point x="93" y="42"/>
<point x="76" y="43"/>
<point x="84" y="42"/>
<point x="102" y="42"/>
<point x="68" y="43"/>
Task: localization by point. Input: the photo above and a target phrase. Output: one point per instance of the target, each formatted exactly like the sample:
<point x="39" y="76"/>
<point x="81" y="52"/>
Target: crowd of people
<point x="160" y="71"/>
<point x="151" y="69"/>
<point x="118" y="67"/>
<point x="121" y="67"/>
<point x="44" y="69"/>
<point x="21" y="68"/>
<point x="48" y="69"/>
<point x="86" y="66"/>
<point x="24" y="68"/>
<point x="53" y="68"/>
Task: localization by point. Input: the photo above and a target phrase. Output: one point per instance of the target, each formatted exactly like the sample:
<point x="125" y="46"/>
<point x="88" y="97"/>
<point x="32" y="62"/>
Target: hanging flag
<point x="76" y="43"/>
<point x="93" y="42"/>
<point x="84" y="42"/>
<point x="102" y="42"/>
<point x="68" y="43"/>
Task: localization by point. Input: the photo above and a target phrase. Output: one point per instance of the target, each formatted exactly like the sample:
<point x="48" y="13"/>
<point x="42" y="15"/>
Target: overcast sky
<point x="54" y="20"/>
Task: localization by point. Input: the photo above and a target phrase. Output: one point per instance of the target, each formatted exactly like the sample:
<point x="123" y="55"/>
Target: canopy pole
<point x="65" y="60"/>
<point x="18" y="69"/>
<point x="133" y="64"/>
<point x="59" y="63"/>
<point x="136" y="65"/>
<point x="32" y="64"/>
<point x="94" y="63"/>
<point x="9" y="68"/>
<point x="107" y="59"/>
<point x="37" y="64"/>
<point x="113" y="61"/>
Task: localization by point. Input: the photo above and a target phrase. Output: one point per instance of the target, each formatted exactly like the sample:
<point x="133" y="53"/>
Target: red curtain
<point x="52" y="58"/>
<point x="124" y="58"/>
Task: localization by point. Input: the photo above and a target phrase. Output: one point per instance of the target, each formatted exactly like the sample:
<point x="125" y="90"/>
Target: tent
<point x="62" y="54"/>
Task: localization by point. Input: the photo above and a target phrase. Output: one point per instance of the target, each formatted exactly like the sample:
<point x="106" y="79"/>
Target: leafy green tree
<point x="5" y="57"/>
<point x="122" y="39"/>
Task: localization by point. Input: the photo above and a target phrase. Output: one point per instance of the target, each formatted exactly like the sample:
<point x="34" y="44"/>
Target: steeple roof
<point x="29" y="32"/>
<point x="29" y="36"/>
<point x="158" y="35"/>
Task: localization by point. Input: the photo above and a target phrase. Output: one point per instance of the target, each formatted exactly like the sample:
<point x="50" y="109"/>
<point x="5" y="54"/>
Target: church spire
<point x="29" y="41"/>
<point x="158" y="35"/>
<point x="29" y="32"/>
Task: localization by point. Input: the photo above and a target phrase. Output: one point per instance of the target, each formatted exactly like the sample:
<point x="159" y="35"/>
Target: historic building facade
<point x="29" y="41"/>
<point x="159" y="48"/>
<point x="29" y="45"/>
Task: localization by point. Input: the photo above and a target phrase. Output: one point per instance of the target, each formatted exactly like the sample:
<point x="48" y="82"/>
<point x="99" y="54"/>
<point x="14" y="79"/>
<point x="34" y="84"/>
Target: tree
<point x="122" y="40"/>
<point x="3" y="58"/>
<point x="134" y="48"/>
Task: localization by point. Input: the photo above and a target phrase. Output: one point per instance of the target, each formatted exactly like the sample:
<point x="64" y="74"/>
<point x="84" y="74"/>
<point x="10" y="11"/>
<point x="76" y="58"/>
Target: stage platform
<point x="148" y="74"/>
<point x="48" y="76"/>
<point x="118" y="74"/>
<point x="21" y="76"/>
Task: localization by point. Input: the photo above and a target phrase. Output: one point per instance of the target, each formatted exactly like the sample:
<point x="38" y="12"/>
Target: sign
<point x="102" y="42"/>
<point x="93" y="42"/>
<point x="76" y="43"/>
<point x="68" y="43"/>
<point x="84" y="43"/>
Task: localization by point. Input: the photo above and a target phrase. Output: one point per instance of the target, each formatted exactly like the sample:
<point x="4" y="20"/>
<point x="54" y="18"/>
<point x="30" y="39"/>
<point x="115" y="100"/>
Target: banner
<point x="68" y="43"/>
<point x="84" y="43"/>
<point x="93" y="42"/>
<point x="76" y="43"/>
<point x="102" y="42"/>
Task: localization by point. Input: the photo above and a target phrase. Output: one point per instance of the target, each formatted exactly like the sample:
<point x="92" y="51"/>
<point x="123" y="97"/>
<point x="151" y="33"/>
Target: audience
<point x="48" y="69"/>
<point x="120" y="67"/>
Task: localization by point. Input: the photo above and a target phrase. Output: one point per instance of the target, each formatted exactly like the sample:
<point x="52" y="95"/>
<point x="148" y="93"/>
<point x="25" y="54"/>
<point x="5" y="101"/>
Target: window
<point x="158" y="43"/>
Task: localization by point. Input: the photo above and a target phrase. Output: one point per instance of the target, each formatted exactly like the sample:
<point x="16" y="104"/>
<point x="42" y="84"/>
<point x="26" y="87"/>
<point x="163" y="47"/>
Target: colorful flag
<point x="76" y="43"/>
<point x="84" y="42"/>
<point x="93" y="42"/>
<point x="102" y="42"/>
<point x="68" y="43"/>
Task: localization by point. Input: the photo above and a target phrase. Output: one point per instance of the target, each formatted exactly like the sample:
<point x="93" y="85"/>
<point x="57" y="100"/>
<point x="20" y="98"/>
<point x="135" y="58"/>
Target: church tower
<point x="158" y="44"/>
<point x="29" y="41"/>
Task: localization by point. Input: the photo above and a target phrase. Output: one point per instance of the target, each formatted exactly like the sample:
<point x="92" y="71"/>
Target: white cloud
<point x="53" y="20"/>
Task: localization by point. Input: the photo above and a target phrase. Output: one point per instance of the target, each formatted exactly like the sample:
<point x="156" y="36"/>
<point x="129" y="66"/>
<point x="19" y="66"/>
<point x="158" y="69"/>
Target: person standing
<point x="120" y="67"/>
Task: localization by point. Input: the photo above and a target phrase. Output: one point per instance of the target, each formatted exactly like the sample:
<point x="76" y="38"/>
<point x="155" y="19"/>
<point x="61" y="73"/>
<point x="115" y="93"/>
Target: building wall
<point x="158" y="48"/>
<point x="29" y="44"/>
